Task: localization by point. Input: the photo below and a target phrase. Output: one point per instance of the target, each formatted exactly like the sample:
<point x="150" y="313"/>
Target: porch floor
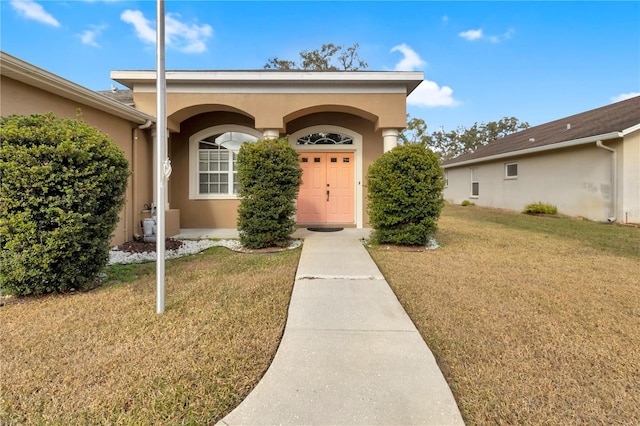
<point x="222" y="233"/>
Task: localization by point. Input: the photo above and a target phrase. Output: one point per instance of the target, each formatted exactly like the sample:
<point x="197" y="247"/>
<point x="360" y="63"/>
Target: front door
<point x="326" y="193"/>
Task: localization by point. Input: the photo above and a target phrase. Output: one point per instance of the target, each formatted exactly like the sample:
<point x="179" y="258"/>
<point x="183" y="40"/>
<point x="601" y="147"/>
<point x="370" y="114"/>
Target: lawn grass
<point x="533" y="320"/>
<point x="106" y="357"/>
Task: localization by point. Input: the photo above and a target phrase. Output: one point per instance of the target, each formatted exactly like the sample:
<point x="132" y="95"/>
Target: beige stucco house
<point x="339" y="122"/>
<point x="587" y="165"/>
<point x="26" y="89"/>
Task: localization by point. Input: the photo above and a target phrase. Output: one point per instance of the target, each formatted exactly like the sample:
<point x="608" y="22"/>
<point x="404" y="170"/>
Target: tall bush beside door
<point x="269" y="177"/>
<point x="62" y="186"/>
<point x="405" y="195"/>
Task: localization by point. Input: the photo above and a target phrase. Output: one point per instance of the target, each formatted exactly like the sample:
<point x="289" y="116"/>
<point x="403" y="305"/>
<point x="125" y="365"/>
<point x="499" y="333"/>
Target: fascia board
<point x="407" y="79"/>
<point x="37" y="77"/>
<point x="269" y="87"/>
<point x="551" y="147"/>
<point x="631" y="129"/>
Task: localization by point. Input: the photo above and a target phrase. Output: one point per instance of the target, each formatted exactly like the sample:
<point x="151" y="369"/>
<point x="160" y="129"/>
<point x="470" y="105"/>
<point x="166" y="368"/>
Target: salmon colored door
<point x="326" y="193"/>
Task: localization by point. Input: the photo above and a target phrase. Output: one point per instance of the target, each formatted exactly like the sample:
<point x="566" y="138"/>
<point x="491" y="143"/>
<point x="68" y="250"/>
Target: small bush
<point x="269" y="177"/>
<point x="405" y="195"/>
<point x="540" y="208"/>
<point x="466" y="203"/>
<point x="62" y="185"/>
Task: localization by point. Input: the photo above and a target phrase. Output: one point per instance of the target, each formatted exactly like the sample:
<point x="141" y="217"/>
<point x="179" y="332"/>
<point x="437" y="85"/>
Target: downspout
<point x="614" y="180"/>
<point x="134" y="158"/>
<point x="145" y="125"/>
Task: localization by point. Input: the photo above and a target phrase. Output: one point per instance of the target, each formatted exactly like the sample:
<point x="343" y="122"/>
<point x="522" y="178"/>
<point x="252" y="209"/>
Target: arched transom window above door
<point x="325" y="139"/>
<point x="214" y="171"/>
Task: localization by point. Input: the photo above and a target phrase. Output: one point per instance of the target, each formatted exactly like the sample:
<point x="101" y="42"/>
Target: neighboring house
<point x="587" y="165"/>
<point x="339" y="122"/>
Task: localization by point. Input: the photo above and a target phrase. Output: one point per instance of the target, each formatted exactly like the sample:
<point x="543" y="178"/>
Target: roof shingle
<point x="611" y="118"/>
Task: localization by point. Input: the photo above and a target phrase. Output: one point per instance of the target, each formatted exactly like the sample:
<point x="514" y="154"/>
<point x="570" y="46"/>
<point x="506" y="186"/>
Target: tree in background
<point x="62" y="186"/>
<point x="450" y="144"/>
<point x="329" y="57"/>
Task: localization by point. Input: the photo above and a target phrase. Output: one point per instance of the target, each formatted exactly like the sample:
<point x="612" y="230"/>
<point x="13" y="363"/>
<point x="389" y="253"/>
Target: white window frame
<point x="446" y="178"/>
<point x="194" y="142"/>
<point x="506" y="170"/>
<point x="475" y="180"/>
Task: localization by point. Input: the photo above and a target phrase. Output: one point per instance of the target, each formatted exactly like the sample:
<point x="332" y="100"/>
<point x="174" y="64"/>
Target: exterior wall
<point x="577" y="181"/>
<point x="222" y="213"/>
<point x="273" y="110"/>
<point x="141" y="182"/>
<point x="629" y="179"/>
<point x="19" y="98"/>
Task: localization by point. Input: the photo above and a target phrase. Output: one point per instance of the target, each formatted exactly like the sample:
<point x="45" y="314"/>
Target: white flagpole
<point x="161" y="154"/>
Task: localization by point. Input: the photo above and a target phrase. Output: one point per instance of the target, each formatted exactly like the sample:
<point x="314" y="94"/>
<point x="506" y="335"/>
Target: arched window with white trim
<point x="214" y="154"/>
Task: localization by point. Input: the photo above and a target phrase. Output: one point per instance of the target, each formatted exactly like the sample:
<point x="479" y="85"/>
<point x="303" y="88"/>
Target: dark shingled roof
<point x="612" y="118"/>
<point x="125" y="96"/>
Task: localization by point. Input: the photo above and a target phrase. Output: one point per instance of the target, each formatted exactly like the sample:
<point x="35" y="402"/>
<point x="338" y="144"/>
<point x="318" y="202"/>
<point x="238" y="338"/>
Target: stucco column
<point x="390" y="139"/>
<point x="268" y="134"/>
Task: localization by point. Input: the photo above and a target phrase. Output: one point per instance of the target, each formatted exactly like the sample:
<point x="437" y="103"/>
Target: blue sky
<point x="537" y="61"/>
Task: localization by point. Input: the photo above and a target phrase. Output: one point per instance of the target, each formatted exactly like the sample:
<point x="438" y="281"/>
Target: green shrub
<point x="269" y="177"/>
<point x="540" y="208"/>
<point x="62" y="185"/>
<point x="466" y="203"/>
<point x="405" y="195"/>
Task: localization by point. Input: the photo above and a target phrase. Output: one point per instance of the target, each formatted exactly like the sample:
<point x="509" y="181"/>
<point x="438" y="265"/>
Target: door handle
<point x="327" y="195"/>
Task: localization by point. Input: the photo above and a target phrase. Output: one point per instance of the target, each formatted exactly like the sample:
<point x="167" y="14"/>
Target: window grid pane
<point x="213" y="171"/>
<point x="217" y="162"/>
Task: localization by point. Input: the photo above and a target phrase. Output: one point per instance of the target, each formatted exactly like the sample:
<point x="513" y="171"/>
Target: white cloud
<point x="89" y="36"/>
<point x="430" y="94"/>
<point x="624" y="96"/>
<point x="188" y="38"/>
<point x="32" y="10"/>
<point x="508" y="34"/>
<point x="445" y="19"/>
<point x="471" y="35"/>
<point x="144" y="31"/>
<point x="410" y="61"/>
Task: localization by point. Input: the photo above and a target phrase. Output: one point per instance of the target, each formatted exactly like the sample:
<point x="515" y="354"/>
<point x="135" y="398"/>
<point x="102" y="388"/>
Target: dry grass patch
<point x="533" y="320"/>
<point x="105" y="357"/>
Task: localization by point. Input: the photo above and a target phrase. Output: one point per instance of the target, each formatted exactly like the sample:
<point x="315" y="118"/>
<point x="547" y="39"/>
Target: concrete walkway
<point x="349" y="355"/>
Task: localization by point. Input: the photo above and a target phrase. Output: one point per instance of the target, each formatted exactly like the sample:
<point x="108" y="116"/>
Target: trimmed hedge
<point x="405" y="195"/>
<point x="269" y="177"/>
<point x="62" y="185"/>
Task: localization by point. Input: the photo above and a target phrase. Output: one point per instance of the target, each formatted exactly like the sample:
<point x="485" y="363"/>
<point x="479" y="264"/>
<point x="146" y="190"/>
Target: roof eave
<point x="409" y="79"/>
<point x="550" y="147"/>
<point x="19" y="70"/>
<point x="631" y="129"/>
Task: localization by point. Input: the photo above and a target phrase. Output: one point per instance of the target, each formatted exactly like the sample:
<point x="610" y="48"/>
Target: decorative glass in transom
<point x="325" y="139"/>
